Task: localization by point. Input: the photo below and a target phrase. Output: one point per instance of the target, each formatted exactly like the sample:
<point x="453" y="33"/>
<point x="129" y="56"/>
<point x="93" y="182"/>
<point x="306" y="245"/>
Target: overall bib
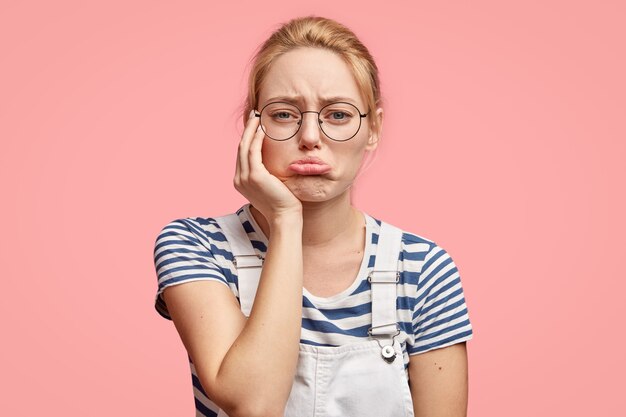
<point x="364" y="379"/>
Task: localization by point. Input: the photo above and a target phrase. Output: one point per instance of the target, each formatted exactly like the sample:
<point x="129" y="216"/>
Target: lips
<point x="309" y="166"/>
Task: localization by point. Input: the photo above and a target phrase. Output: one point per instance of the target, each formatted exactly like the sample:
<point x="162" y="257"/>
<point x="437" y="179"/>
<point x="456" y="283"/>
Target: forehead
<point x="311" y="77"/>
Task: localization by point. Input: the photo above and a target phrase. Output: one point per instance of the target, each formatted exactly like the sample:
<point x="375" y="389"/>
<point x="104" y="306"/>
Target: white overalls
<point x="364" y="379"/>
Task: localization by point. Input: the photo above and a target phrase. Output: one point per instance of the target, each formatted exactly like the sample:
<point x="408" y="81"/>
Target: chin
<point x="314" y="188"/>
<point x="310" y="188"/>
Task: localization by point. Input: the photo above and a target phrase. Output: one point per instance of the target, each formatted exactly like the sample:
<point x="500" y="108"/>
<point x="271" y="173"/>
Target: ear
<point x="375" y="134"/>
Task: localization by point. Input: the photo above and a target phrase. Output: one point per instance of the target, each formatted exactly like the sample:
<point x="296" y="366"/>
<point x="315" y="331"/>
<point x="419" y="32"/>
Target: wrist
<point x="288" y="219"/>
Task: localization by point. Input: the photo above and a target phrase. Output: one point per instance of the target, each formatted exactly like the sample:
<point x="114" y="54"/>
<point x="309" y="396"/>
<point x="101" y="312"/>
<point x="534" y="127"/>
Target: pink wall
<point x="505" y="123"/>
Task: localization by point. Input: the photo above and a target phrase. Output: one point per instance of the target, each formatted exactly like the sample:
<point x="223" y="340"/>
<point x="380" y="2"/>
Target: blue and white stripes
<point x="430" y="305"/>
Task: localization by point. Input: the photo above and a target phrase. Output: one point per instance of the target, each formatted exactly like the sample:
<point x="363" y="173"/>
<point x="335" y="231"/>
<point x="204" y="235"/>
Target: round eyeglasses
<point x="339" y="121"/>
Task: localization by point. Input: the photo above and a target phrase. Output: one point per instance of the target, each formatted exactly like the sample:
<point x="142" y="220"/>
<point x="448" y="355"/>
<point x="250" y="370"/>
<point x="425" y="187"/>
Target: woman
<point x="299" y="304"/>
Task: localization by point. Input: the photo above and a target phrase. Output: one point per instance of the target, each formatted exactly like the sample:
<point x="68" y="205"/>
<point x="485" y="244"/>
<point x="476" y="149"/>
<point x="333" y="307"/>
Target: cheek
<point x="346" y="165"/>
<point x="351" y="156"/>
<point x="352" y="166"/>
<point x="272" y="157"/>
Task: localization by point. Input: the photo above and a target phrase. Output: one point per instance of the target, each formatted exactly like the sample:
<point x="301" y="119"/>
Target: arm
<point x="439" y="382"/>
<point x="247" y="366"/>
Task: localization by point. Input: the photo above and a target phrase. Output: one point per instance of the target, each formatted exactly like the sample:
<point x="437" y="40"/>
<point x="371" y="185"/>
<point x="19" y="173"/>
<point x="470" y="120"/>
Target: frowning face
<point x="313" y="166"/>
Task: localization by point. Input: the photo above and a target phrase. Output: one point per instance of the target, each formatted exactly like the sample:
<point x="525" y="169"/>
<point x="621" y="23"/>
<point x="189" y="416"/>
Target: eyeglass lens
<point x="338" y="121"/>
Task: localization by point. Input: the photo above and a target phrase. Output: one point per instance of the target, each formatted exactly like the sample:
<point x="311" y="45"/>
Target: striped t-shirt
<point x="431" y="307"/>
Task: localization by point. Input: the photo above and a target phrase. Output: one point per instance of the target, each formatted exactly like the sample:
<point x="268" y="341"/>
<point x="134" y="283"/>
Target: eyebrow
<point x="299" y="99"/>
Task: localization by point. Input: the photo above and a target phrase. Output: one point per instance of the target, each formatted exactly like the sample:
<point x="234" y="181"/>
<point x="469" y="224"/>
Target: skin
<point x="439" y="377"/>
<point x="306" y="219"/>
<point x="330" y="224"/>
<point x="324" y="199"/>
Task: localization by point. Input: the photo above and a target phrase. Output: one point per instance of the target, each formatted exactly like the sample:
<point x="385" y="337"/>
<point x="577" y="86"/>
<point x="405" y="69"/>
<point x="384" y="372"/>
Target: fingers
<point x="242" y="171"/>
<point x="255" y="150"/>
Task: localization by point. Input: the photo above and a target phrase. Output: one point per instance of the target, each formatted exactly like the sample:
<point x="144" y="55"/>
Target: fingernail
<point x="251" y="114"/>
<point x="258" y="128"/>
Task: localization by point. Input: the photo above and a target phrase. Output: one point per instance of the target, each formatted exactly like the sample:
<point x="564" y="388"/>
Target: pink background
<point x="504" y="134"/>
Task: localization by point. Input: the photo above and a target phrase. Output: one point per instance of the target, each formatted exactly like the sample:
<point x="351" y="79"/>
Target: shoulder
<point x="199" y="230"/>
<point x="200" y="236"/>
<point x="414" y="246"/>
<point x="190" y="249"/>
<point x="420" y="256"/>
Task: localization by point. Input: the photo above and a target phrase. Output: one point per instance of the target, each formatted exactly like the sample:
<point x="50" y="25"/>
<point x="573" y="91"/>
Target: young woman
<point x="299" y="304"/>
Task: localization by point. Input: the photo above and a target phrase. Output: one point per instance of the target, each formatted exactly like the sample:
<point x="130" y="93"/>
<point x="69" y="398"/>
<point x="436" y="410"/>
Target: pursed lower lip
<point x="309" y="169"/>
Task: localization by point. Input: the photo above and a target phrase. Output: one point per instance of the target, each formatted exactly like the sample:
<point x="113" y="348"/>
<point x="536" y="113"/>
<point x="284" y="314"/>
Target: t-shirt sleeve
<point x="440" y="316"/>
<point x="182" y="254"/>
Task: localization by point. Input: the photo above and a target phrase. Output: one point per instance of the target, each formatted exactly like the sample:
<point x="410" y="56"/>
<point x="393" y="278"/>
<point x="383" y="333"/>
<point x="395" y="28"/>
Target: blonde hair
<point x="317" y="32"/>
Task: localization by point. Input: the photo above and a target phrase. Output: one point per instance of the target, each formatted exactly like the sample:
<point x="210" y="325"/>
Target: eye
<point x="337" y="115"/>
<point x="283" y="116"/>
<point x="280" y="112"/>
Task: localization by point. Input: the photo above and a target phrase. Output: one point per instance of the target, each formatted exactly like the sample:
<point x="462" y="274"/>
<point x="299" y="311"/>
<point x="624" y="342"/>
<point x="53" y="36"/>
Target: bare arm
<point x="246" y="366"/>
<point x="439" y="382"/>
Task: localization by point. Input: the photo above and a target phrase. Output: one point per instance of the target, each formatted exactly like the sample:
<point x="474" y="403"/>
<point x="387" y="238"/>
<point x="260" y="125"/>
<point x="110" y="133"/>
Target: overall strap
<point x="383" y="279"/>
<point x="247" y="263"/>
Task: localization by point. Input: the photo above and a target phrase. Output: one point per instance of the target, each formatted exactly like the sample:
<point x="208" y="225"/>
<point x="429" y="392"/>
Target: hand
<point x="264" y="191"/>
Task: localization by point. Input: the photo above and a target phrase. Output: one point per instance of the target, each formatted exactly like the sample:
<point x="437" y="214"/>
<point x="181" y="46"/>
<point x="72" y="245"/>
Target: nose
<point x="309" y="135"/>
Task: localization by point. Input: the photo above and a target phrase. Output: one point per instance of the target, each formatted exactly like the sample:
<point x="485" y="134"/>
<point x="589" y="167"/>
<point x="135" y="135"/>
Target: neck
<point x="324" y="223"/>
